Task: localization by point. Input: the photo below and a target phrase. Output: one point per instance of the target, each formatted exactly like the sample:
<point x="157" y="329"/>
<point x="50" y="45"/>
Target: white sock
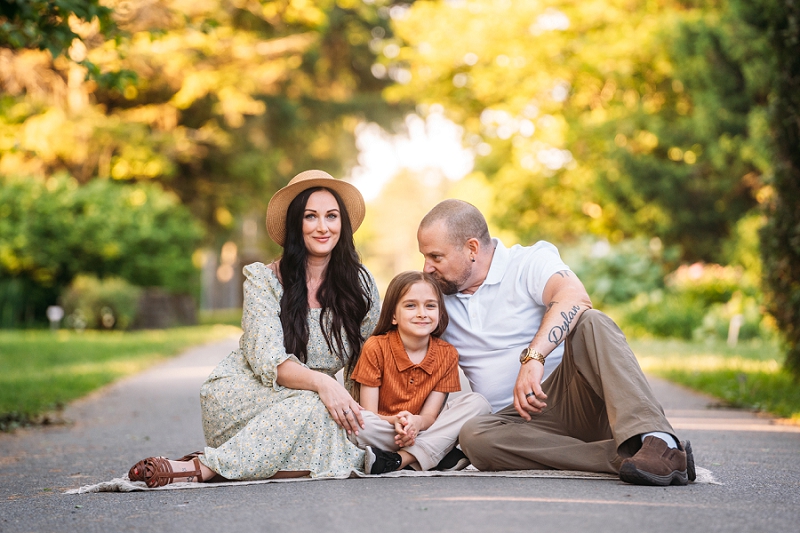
<point x="666" y="437"/>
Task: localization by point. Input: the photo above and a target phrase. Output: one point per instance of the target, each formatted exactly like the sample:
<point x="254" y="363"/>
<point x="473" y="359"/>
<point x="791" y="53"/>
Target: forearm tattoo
<point x="557" y="333"/>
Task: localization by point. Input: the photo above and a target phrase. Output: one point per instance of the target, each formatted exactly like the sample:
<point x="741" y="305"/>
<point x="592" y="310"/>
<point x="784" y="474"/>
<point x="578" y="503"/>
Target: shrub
<point x="699" y="301"/>
<point x="662" y="314"/>
<point x="53" y="230"/>
<point x="100" y="304"/>
<point x="614" y="274"/>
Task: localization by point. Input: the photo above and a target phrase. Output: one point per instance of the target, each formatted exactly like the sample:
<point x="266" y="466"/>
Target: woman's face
<point x="322" y="224"/>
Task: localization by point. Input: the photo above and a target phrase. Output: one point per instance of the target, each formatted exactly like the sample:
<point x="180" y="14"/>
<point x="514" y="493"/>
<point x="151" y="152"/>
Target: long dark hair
<point x="344" y="292"/>
<point x="398" y="288"/>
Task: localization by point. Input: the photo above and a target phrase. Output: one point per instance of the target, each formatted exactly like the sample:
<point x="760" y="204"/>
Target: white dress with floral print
<point x="253" y="426"/>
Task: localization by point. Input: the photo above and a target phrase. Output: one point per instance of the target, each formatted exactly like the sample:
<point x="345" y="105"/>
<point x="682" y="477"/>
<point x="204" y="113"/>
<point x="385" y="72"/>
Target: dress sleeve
<point x="371" y="318"/>
<point x="262" y="337"/>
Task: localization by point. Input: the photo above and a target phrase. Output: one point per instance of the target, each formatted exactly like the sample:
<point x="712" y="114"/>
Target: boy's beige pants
<point x="433" y="443"/>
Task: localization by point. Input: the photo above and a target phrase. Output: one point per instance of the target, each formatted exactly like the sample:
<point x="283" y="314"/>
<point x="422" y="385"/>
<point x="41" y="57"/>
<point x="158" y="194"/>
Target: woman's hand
<point x="344" y="410"/>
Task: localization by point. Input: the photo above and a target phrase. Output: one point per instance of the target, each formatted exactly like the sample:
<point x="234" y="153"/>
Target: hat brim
<point x="279" y="203"/>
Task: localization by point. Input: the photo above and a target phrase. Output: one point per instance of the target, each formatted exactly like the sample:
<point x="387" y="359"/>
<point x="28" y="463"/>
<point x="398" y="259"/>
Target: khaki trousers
<point x="432" y="444"/>
<point x="598" y="402"/>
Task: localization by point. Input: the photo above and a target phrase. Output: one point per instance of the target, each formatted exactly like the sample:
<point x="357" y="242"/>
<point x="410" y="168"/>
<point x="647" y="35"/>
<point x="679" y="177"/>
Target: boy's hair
<point x="398" y="287"/>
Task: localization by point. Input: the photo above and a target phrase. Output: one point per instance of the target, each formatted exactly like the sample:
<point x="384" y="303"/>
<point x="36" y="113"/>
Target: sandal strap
<point x="158" y="472"/>
<point x="138" y="471"/>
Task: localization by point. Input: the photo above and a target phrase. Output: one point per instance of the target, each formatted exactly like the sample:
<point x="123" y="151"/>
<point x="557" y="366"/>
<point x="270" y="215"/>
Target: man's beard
<point x="450" y="287"/>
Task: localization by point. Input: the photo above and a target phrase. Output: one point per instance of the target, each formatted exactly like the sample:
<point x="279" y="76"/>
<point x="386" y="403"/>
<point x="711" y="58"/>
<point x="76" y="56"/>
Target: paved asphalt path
<point x="756" y="461"/>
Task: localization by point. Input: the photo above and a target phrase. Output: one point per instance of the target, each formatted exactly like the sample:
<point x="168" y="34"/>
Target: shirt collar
<point x="401" y="358"/>
<point x="499" y="264"/>
<point x="496" y="270"/>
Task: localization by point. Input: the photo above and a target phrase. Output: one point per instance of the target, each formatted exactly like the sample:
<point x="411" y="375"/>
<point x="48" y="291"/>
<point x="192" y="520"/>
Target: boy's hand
<point x="407" y="427"/>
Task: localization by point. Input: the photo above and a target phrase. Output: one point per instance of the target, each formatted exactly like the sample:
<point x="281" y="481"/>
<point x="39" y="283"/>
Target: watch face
<point x="525" y="355"/>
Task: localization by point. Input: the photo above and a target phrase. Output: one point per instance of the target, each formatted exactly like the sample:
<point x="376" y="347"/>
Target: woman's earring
<point x="472" y="259"/>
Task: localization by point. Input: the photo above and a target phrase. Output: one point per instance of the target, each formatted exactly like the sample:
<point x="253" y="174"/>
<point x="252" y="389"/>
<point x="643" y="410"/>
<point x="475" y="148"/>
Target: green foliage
<point x="614" y="274"/>
<point x="225" y="102"/>
<point x="779" y="22"/>
<point x="661" y="314"/>
<point x="699" y="301"/>
<point x="45" y="24"/>
<point x="100" y="304"/>
<point x="45" y="370"/>
<point x="617" y="118"/>
<point x="63" y="27"/>
<point x="748" y="376"/>
<point x="52" y="231"/>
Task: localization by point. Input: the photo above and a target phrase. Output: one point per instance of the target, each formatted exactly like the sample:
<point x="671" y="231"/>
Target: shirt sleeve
<point x="262" y="332"/>
<point x="369" y="368"/>
<point x="451" y="381"/>
<point x="542" y="262"/>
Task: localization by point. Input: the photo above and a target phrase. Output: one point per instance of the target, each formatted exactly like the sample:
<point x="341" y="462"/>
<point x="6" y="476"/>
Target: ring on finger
<point x="529" y="394"/>
<point x="346" y="412"/>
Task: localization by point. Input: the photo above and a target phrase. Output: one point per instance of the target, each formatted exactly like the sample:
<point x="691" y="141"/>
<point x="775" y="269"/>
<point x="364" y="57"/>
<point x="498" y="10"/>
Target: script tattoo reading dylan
<point x="557" y="334"/>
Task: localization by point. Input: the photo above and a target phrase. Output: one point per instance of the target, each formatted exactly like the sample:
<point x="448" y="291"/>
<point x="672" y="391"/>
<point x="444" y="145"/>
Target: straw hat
<point x="279" y="203"/>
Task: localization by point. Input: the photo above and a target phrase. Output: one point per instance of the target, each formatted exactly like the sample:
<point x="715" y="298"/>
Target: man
<point x="565" y="387"/>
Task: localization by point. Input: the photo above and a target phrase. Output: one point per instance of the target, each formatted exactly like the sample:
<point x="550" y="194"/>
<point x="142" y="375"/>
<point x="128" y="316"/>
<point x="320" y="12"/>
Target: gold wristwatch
<point x="528" y="354"/>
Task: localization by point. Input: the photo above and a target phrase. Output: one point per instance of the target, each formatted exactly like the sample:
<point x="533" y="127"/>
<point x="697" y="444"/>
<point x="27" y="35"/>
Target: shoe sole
<point x="691" y="473"/>
<point x="369" y="460"/>
<point x="633" y="475"/>
<point x="460" y="465"/>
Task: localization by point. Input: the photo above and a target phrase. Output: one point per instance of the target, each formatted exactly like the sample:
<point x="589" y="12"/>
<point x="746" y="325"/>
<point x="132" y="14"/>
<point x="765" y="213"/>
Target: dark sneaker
<point x="377" y="461"/>
<point x="658" y="464"/>
<point x="453" y="460"/>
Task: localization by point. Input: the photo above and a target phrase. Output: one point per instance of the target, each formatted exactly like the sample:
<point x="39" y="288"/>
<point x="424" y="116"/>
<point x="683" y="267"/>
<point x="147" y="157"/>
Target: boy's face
<point x="417" y="313"/>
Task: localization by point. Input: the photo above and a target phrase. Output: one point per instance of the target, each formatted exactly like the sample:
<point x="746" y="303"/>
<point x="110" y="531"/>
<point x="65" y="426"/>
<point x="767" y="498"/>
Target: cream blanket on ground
<point x="123" y="484"/>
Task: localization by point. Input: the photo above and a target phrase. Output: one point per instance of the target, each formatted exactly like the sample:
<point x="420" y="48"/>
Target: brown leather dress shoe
<point x="658" y="464"/>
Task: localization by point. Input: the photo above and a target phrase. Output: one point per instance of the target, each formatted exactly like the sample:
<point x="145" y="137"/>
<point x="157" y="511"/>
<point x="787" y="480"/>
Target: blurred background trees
<point x="652" y="141"/>
<point x="219" y="103"/>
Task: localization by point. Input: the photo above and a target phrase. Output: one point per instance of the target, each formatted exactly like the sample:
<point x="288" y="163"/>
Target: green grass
<point x="750" y="375"/>
<point x="232" y="317"/>
<point x="41" y="371"/>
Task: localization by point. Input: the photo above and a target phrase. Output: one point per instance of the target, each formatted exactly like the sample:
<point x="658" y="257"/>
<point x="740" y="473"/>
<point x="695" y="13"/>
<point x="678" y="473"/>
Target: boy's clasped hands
<point x="407" y="426"/>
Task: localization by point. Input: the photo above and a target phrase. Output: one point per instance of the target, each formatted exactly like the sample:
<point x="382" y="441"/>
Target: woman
<point x="272" y="408"/>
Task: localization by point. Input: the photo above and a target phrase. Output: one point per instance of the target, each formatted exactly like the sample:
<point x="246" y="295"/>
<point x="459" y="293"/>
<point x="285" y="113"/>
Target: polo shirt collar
<point x="401" y="358"/>
<point x="499" y="264"/>
<point x="496" y="270"/>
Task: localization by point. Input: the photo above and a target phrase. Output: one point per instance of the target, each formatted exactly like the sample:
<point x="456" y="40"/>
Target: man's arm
<point x="566" y="300"/>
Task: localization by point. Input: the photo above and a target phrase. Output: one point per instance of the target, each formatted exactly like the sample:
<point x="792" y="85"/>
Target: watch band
<point x="528" y="354"/>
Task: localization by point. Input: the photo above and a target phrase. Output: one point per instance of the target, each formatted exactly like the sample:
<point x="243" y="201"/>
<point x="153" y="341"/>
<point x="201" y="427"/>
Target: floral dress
<point x="255" y="427"/>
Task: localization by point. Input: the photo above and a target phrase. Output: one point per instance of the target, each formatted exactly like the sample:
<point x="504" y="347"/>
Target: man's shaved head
<point x="462" y="220"/>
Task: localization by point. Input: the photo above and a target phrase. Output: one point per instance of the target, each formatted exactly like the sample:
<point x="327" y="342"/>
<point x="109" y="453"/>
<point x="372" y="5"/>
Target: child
<point x="406" y="372"/>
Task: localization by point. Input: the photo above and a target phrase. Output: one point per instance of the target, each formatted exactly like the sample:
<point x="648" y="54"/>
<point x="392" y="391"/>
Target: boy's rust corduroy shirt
<point x="403" y="385"/>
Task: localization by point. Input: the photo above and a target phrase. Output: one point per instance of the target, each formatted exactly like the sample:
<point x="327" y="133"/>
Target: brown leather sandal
<point x="158" y="472"/>
<point x="136" y="473"/>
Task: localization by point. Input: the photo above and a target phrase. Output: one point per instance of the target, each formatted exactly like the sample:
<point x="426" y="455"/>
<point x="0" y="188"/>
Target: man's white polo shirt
<point x="491" y="327"/>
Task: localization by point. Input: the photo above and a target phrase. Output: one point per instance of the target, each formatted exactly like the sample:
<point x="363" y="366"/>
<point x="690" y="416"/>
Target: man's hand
<point x="528" y="395"/>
